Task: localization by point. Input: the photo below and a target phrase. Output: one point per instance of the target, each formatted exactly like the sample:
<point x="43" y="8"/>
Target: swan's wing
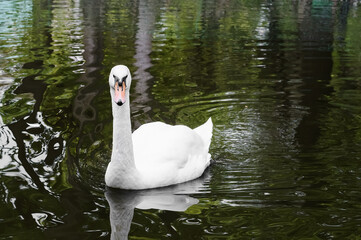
<point x="159" y="145"/>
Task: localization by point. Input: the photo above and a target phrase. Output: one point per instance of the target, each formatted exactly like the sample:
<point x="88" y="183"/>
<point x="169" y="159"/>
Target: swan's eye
<point x="124" y="80"/>
<point x="116" y="79"/>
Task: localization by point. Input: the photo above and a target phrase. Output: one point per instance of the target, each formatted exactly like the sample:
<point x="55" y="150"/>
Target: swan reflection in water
<point x="173" y="198"/>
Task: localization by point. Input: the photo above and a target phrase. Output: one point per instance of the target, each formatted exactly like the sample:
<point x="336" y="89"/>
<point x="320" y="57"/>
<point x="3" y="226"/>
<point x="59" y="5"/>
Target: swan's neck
<point x="121" y="170"/>
<point x="122" y="152"/>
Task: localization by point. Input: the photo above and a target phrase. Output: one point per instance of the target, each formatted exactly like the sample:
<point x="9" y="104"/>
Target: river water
<point x="280" y="79"/>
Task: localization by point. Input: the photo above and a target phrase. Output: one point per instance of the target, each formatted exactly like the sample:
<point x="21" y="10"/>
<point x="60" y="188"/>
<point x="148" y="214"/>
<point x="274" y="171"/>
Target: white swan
<point x="156" y="154"/>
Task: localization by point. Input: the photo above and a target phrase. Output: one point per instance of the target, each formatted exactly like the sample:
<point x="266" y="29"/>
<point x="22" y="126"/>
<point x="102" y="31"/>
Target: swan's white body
<point x="156" y="154"/>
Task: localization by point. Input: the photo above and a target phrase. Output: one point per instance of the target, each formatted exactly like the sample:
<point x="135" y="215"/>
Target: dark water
<point x="280" y="79"/>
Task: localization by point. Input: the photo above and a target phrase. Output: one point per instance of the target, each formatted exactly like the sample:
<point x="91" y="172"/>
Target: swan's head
<point x="119" y="82"/>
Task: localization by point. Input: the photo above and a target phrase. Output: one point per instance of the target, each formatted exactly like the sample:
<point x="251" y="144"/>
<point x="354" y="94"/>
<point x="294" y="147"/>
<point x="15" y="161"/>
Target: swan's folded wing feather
<point x="205" y="132"/>
<point x="158" y="145"/>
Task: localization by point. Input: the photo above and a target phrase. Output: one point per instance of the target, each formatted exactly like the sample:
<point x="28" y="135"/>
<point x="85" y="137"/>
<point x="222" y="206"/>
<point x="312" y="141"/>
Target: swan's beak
<point x="119" y="93"/>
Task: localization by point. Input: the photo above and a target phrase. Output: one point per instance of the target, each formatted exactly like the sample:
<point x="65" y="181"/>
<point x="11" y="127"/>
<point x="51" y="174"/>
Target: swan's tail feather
<point x="205" y="132"/>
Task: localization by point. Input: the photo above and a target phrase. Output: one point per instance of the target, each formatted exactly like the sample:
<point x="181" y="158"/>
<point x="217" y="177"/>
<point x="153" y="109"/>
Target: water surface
<point x="280" y="79"/>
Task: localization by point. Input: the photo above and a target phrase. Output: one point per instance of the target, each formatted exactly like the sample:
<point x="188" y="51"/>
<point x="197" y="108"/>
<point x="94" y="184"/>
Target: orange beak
<point x="119" y="93"/>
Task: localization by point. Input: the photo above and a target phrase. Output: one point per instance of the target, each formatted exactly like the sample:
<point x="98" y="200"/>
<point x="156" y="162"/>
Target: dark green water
<point x="280" y="79"/>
